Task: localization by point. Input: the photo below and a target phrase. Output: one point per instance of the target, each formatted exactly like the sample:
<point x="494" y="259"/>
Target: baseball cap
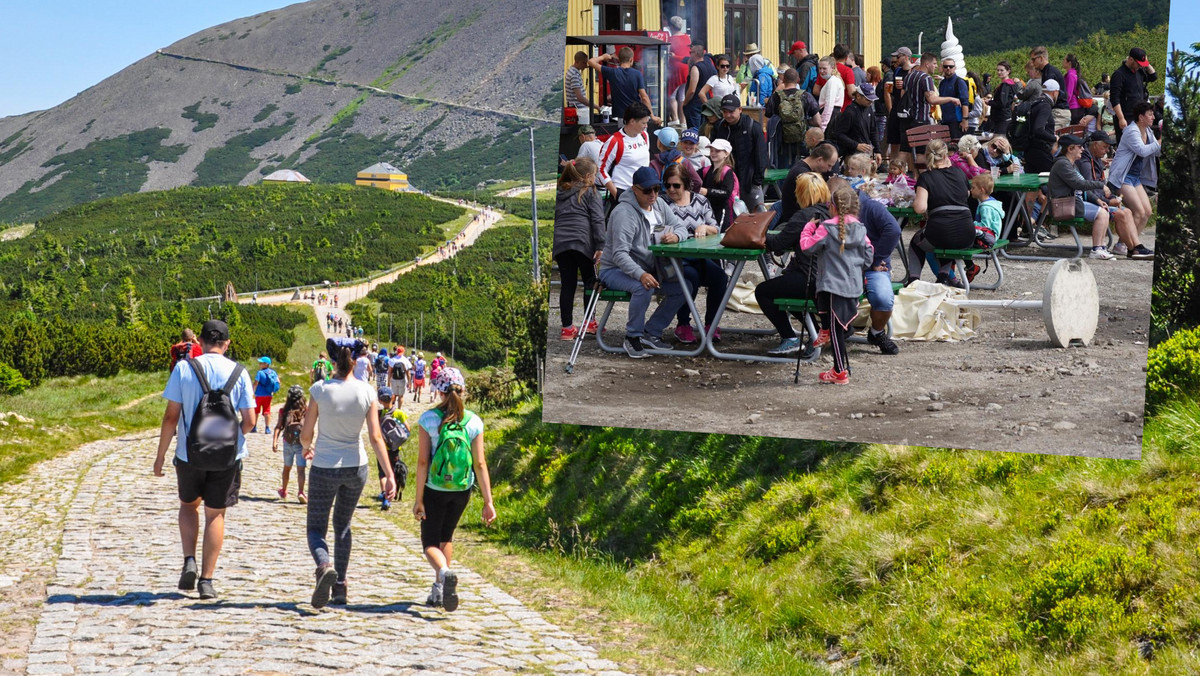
<point x="1067" y="140"/>
<point x="1099" y="135"/>
<point x="1139" y="55"/>
<point x="690" y="135"/>
<point x="586" y="129"/>
<point x="704" y="145"/>
<point x="721" y="144"/>
<point x="386" y="392"/>
<point x="868" y="91"/>
<point x="214" y="330"/>
<point x="264" y="360"/>
<point x="731" y="102"/>
<point x="668" y="136"/>
<point x="799" y="44"/>
<point x="448" y="377"/>
<point x="1051" y="86"/>
<point x="646" y="177"/>
<point x="904" y="51"/>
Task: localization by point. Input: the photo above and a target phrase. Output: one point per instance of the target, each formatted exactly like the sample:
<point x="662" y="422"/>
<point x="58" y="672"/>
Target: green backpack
<point x="451" y="468"/>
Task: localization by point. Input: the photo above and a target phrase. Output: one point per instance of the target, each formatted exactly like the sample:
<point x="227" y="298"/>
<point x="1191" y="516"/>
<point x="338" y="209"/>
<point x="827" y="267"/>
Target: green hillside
<point x="983" y="26"/>
<point x="189" y="242"/>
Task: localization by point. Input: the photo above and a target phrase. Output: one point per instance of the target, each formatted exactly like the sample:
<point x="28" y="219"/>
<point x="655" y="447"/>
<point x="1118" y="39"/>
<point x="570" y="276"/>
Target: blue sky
<point x="1183" y="29"/>
<point x="51" y="51"/>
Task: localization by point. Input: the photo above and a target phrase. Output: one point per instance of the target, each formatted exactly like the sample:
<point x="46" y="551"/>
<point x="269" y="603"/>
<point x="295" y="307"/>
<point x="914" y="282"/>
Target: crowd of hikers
<point x="213" y="403"/>
<point x="842" y="134"/>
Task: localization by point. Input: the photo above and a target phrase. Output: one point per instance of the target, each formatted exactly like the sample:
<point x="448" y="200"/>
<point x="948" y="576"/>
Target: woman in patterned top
<point x="696" y="213"/>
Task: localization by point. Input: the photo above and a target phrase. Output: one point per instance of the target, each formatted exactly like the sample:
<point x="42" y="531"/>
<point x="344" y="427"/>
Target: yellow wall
<point x="768" y="31"/>
<point x="716" y="27"/>
<point x="822" y="27"/>
<point x="649" y="15"/>
<point x="872" y="26"/>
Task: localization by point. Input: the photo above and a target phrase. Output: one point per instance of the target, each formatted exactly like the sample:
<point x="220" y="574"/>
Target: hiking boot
<point x="450" y="591"/>
<point x="339" y="594"/>
<point x="187" y="579"/>
<point x="822" y="338"/>
<point x="972" y="270"/>
<point x="326" y="576"/>
<point x="833" y="377"/>
<point x="1119" y="249"/>
<point x="633" y="347"/>
<point x="1101" y="254"/>
<point x="1141" y="253"/>
<point x="568" y="333"/>
<point x="788" y="346"/>
<point x="655" y="343"/>
<point x="685" y="334"/>
<point x="434" y="600"/>
<point x="882" y="341"/>
<point x="206" y="589"/>
<point x="387" y="504"/>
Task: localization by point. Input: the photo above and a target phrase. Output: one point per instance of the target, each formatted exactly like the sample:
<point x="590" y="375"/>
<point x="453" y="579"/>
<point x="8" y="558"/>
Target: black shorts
<point x="443" y="509"/>
<point x="392" y="458"/>
<point x="904" y="127"/>
<point x="894" y="130"/>
<point x="218" y="488"/>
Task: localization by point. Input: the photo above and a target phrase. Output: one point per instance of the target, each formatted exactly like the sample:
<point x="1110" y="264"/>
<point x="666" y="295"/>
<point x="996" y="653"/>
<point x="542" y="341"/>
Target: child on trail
<point x="393" y="424"/>
<point x="322" y="368"/>
<point x="578" y="237"/>
<point x="266" y="384"/>
<point x="383" y="364"/>
<point x="989" y="217"/>
<point x="288" y="426"/>
<point x="449" y="460"/>
<point x="843" y="254"/>
<point x="418" y="373"/>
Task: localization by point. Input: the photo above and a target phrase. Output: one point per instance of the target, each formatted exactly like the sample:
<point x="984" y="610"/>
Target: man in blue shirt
<point x="955" y="99"/>
<point x="218" y="489"/>
<point x="266" y="384"/>
<point x="625" y="82"/>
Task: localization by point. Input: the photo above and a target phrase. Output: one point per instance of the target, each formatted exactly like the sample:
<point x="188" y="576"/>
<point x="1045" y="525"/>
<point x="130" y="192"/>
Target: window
<point x="847" y="24"/>
<point x="793" y="26"/>
<point x="741" y="28"/>
<point x="614" y="15"/>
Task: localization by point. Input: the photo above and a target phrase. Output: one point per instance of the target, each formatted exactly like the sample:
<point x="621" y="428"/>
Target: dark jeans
<point x="787" y="285"/>
<point x="338" y="489"/>
<point x="573" y="265"/>
<point x="698" y="272"/>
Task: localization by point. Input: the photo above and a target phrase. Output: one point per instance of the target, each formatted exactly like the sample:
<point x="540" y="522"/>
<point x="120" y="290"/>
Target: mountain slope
<point x="327" y="87"/>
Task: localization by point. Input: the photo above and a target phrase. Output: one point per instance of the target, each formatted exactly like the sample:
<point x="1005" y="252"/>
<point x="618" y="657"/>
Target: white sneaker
<point x="1100" y="253"/>
<point x="1119" y="249"/>
<point x="435" y="596"/>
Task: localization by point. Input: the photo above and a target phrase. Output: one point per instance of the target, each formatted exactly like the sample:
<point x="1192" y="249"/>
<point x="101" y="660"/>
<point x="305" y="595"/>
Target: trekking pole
<point x="580" y="336"/>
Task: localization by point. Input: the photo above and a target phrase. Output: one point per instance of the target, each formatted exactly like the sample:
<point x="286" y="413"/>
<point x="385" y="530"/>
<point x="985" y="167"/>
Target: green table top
<point x="773" y="175"/>
<point x="902" y="212"/>
<point x="1024" y="182"/>
<point x="704" y="247"/>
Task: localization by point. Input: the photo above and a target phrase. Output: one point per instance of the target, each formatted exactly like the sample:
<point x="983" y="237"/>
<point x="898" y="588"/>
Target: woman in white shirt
<point x="833" y="92"/>
<point x="721" y="84"/>
<point x="338" y="466"/>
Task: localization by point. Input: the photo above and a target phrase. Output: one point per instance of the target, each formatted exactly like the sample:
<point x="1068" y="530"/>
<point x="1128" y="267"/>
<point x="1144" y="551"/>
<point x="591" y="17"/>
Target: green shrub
<point x="1173" y="369"/>
<point x="11" y="380"/>
<point x="493" y="388"/>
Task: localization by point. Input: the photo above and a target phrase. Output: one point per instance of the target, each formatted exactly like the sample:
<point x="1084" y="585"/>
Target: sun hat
<point x="721" y="144"/>
<point x="751" y="48"/>
<point x="448" y="378"/>
<point x="704" y="145"/>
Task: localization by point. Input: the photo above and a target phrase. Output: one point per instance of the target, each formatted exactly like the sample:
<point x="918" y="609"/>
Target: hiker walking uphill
<point x="187" y="348"/>
<point x="210" y="448"/>
<point x="450" y="457"/>
<point x="266" y="384"/>
<point x="291" y="421"/>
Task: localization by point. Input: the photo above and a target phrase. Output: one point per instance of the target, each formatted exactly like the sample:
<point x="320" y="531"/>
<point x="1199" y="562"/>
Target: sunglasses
<point x="673" y="186"/>
<point x="724" y="65"/>
<point x="648" y="191"/>
<point x="948" y="67"/>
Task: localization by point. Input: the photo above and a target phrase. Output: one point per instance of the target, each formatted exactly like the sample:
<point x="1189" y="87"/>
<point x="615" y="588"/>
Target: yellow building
<point x="727" y="27"/>
<point x="385" y="176"/>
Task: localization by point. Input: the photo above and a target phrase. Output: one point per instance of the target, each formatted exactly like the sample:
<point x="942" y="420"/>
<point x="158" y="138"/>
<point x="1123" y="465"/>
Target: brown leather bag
<point x="1063" y="208"/>
<point x="749" y="231"/>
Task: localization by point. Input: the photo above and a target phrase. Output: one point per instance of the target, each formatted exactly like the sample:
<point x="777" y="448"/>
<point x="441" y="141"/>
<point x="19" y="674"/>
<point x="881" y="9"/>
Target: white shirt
<point x="342" y="406"/>
<point x="833" y="93"/>
<point x="722" y="86"/>
<point x="362" y="368"/>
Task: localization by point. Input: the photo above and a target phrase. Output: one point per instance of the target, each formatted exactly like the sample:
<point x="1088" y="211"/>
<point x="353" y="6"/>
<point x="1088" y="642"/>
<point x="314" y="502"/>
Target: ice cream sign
<point x="952" y="50"/>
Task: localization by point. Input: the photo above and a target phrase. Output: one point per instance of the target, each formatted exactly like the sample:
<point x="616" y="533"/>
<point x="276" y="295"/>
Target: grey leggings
<point x="338" y="489"/>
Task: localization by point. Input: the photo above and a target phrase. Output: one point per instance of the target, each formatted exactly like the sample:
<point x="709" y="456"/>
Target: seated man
<point x="638" y="220"/>
<point x="884" y="233"/>
<point x="1066" y="181"/>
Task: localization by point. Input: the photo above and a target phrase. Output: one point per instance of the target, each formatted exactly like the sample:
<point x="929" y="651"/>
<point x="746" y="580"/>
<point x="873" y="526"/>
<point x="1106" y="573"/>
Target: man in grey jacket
<point x="639" y="220"/>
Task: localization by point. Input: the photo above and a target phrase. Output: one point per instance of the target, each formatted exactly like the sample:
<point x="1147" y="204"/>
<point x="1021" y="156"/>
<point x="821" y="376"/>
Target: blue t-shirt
<point x="624" y="83"/>
<point x="183" y="388"/>
<point x="956" y="87"/>
<point x="264" y="382"/>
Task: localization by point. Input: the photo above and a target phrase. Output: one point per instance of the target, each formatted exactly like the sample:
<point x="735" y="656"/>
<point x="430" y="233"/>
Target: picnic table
<point x="1022" y="183"/>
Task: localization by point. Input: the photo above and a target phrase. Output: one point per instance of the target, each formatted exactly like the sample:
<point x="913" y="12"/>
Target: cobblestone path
<point x="111" y="604"/>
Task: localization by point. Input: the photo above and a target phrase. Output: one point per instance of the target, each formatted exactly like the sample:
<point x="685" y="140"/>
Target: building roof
<point x="289" y="175"/>
<point x="381" y="168"/>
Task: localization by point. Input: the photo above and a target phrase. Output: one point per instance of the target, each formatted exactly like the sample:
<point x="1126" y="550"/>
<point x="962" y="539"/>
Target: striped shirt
<point x="574" y="81"/>
<point x="621" y="156"/>
<point x="918" y="82"/>
<point x="698" y="212"/>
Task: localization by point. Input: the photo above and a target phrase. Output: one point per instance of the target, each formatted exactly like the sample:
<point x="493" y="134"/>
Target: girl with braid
<point x="843" y="253"/>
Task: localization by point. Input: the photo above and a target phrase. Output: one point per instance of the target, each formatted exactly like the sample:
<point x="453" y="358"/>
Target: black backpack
<point x="1020" y="131"/>
<point x="395" y="433"/>
<point x="212" y="440"/>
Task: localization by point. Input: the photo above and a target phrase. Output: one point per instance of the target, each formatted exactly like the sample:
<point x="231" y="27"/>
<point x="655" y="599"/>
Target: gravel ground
<point x="1007" y="389"/>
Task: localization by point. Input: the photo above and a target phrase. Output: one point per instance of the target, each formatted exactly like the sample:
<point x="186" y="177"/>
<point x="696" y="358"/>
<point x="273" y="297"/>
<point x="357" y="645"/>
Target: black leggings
<point x="698" y="272"/>
<point x="788" y="285"/>
<point x="572" y="265"/>
<point x="957" y="232"/>
<point x="443" y="509"/>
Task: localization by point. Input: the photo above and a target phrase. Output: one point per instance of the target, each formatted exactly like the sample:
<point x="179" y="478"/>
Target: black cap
<point x="1067" y="140"/>
<point x="1138" y="54"/>
<point x="214" y="330"/>
<point x="1099" y="135"/>
<point x="731" y="102"/>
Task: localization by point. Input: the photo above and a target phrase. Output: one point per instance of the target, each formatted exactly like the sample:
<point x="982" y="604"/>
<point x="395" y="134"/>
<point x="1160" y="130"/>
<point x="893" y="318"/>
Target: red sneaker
<point x="591" y="327"/>
<point x="822" y="339"/>
<point x="832" y="377"/>
<point x="972" y="271"/>
<point x="568" y="333"/>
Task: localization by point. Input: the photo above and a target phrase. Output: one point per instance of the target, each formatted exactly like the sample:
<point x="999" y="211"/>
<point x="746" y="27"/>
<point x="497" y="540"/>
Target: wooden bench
<point x="919" y="137"/>
<point x="959" y="255"/>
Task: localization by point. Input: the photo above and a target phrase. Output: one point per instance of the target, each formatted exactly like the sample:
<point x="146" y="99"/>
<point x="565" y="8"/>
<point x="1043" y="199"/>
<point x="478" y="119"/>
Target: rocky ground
<point x="1008" y="389"/>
